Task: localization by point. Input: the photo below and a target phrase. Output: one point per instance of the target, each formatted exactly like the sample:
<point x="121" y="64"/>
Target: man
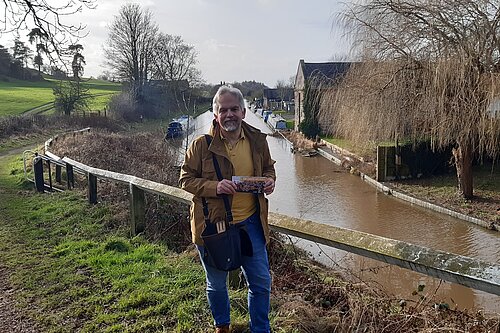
<point x="241" y="150"/>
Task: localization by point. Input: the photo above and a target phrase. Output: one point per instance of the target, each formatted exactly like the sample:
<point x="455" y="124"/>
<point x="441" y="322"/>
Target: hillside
<point x="17" y="96"/>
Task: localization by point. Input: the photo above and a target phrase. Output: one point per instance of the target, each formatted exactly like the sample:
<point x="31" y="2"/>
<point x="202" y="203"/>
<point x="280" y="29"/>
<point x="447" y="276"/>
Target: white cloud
<point x="215" y="46"/>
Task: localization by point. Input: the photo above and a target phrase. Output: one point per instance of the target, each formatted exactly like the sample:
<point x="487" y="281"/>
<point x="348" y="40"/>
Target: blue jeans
<point x="256" y="271"/>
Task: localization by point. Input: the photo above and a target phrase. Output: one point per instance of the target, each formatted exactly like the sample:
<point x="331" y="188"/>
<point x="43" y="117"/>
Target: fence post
<point x="92" y="184"/>
<point x="38" y="171"/>
<point x="50" y="176"/>
<point x="58" y="174"/>
<point x="137" y="210"/>
<point x="70" y="177"/>
<point x="381" y="163"/>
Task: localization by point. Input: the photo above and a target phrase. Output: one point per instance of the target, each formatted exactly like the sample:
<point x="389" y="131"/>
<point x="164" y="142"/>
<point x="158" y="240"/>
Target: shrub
<point x="123" y="106"/>
<point x="70" y="96"/>
<point x="44" y="124"/>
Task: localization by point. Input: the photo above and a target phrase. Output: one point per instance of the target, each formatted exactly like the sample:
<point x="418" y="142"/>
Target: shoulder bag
<point x="225" y="243"/>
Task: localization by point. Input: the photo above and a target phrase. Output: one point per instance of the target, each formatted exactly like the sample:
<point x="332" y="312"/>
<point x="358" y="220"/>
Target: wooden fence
<point x="454" y="268"/>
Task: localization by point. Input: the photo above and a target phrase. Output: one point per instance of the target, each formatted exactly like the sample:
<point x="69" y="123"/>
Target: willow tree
<point x="430" y="69"/>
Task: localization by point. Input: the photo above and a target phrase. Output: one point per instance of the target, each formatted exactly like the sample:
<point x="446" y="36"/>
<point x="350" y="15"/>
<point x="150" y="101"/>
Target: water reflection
<point x="316" y="189"/>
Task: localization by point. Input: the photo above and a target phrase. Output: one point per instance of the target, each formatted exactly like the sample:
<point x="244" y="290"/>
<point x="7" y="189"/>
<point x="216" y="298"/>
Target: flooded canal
<point x="314" y="188"/>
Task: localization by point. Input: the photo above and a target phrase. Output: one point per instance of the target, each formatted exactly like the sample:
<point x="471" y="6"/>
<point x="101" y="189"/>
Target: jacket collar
<point x="254" y="136"/>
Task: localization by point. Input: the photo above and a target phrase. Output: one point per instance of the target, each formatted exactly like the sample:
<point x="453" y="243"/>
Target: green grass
<point x="487" y="179"/>
<point x="73" y="272"/>
<point x="103" y="91"/>
<point x="484" y="180"/>
<point x="348" y="145"/>
<point x="18" y="96"/>
<point x="342" y="143"/>
<point x="443" y="190"/>
<point x="100" y="101"/>
<point x="21" y="141"/>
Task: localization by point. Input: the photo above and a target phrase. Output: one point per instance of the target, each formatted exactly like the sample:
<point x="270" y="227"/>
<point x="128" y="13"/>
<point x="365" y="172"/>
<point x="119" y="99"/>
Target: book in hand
<point x="249" y="184"/>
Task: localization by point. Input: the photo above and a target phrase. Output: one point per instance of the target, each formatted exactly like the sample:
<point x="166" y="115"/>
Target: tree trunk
<point x="463" y="161"/>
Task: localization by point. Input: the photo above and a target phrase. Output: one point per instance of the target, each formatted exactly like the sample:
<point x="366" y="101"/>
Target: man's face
<point x="230" y="113"/>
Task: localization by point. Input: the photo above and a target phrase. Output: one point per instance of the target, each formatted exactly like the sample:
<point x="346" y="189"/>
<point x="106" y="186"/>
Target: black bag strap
<point x="205" y="210"/>
<point x="227" y="205"/>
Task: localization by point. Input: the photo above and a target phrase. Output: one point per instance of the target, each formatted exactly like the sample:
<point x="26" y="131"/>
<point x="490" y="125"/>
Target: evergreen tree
<point x="5" y="61"/>
<point x="78" y="60"/>
<point x="40" y="38"/>
<point x="21" y="52"/>
<point x="310" y="126"/>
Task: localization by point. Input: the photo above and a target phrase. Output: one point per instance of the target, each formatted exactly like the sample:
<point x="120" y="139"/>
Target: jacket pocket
<point x="208" y="170"/>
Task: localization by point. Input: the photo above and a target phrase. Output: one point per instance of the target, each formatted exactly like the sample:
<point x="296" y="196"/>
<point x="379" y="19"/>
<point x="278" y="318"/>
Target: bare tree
<point x="174" y="60"/>
<point x="47" y="17"/>
<point x="131" y="38"/>
<point x="284" y="88"/>
<point x="175" y="64"/>
<point x="430" y="70"/>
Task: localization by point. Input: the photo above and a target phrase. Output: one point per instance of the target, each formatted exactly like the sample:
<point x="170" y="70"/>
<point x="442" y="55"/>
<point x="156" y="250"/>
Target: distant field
<point x="18" y="96"/>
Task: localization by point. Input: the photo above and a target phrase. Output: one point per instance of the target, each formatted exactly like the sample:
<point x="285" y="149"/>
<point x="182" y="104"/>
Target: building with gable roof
<point x="326" y="73"/>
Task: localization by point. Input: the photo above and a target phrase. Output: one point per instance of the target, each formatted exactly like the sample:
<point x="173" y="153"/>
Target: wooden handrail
<point x="454" y="268"/>
<point x="463" y="270"/>
<point x="171" y="192"/>
<point x="473" y="273"/>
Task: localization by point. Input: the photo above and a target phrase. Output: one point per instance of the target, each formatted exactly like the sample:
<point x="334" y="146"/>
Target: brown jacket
<point x="199" y="178"/>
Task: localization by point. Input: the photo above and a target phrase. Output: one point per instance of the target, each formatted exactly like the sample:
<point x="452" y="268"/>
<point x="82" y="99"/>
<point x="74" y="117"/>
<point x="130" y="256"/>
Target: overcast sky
<point x="261" y="40"/>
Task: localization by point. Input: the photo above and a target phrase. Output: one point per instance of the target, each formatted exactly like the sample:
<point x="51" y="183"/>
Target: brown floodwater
<point x="314" y="188"/>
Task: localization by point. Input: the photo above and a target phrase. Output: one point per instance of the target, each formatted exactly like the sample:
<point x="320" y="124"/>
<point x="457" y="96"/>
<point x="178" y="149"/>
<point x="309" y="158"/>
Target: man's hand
<point x="269" y="186"/>
<point x="226" y="186"/>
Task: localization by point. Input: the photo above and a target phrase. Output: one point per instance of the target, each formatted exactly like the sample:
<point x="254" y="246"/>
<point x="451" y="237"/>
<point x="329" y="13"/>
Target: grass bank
<point x="443" y="189"/>
<point x="18" y="96"/>
<point x="18" y="131"/>
<point x="72" y="267"/>
<point x="369" y="151"/>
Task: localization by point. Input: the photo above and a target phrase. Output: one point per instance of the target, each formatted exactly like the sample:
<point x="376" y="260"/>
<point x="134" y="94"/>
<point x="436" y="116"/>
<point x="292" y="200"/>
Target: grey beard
<point x="230" y="126"/>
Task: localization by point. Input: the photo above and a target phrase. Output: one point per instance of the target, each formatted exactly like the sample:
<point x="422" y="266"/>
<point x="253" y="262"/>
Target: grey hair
<point x="227" y="90"/>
